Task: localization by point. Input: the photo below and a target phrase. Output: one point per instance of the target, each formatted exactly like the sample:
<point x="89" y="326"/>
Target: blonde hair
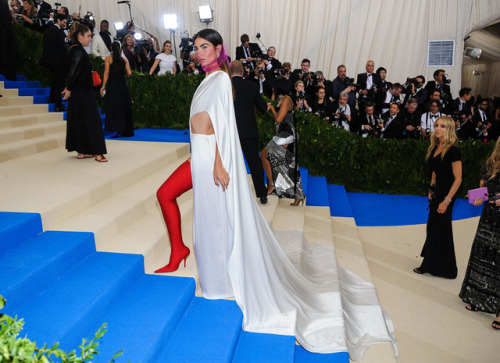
<point x="124" y="43"/>
<point x="450" y="137"/>
<point x="493" y="163"/>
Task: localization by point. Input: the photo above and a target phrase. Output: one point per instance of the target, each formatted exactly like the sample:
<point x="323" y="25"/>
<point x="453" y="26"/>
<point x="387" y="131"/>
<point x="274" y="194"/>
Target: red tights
<point x="178" y="183"/>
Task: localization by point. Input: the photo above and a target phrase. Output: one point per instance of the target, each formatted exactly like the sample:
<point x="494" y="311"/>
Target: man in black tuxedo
<point x="417" y="91"/>
<point x="44" y="9"/>
<point x="486" y="127"/>
<point x="305" y="75"/>
<point x="411" y="119"/>
<point x="368" y="82"/>
<point x="462" y="103"/>
<point x="366" y="124"/>
<point x="246" y="97"/>
<point x="248" y="52"/>
<point x="271" y="63"/>
<point x="54" y="58"/>
<point x="440" y="84"/>
<point x="393" y="126"/>
<point x="261" y="78"/>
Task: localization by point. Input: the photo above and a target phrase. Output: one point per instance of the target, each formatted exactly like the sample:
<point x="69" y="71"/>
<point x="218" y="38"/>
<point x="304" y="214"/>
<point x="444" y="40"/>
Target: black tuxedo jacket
<point x="431" y="87"/>
<point x="455" y="105"/>
<point x="54" y="48"/>
<point x="254" y="51"/>
<point x="395" y="128"/>
<point x="247" y="96"/>
<point x="421" y="96"/>
<point x="362" y="78"/>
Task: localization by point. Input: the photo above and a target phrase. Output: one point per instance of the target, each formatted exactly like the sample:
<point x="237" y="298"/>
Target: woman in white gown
<point x="327" y="309"/>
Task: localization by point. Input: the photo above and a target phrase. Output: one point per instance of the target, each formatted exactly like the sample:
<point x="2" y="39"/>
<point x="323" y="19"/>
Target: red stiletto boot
<point x="178" y="183"/>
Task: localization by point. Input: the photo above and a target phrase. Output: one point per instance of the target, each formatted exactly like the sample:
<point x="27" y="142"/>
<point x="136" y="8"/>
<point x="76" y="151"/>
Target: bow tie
<point x="434" y="116"/>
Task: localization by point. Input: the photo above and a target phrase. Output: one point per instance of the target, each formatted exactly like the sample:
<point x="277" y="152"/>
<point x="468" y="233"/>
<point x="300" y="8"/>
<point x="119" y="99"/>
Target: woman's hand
<point x="66" y="93"/>
<point x="102" y="91"/>
<point x="221" y="177"/>
<point x="478" y="202"/>
<point x="442" y="207"/>
<point x="431" y="195"/>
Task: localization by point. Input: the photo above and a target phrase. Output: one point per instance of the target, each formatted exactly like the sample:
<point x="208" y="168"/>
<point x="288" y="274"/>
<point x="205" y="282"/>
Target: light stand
<point x="132" y="19"/>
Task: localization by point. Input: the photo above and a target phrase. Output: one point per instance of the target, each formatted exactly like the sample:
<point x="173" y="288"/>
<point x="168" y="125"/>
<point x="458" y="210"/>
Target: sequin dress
<point x="286" y="175"/>
<point x="481" y="286"/>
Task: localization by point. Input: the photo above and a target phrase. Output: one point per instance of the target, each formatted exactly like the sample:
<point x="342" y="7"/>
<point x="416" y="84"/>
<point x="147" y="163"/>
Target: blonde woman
<point x="445" y="163"/>
<point x="129" y="51"/>
<point x="167" y="62"/>
<point x="481" y="286"/>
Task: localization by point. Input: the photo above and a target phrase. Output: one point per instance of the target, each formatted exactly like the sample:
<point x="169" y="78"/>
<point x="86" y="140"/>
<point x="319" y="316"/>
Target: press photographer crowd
<point x="368" y="105"/>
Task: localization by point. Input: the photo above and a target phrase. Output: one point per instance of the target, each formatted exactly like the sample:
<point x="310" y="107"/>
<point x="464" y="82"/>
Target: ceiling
<point x="487" y="39"/>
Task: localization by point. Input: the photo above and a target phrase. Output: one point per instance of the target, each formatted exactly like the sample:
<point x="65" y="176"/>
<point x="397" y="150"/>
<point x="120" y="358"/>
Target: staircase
<point x="66" y="284"/>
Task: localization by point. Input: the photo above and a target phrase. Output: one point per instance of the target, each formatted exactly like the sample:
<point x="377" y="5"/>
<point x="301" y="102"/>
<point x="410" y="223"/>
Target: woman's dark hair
<point x="215" y="39"/>
<point x="76" y="29"/>
<point x="116" y="50"/>
<point x="281" y="87"/>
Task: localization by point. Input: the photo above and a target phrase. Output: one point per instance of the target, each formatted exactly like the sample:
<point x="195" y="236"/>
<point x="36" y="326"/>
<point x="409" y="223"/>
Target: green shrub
<point x="362" y="165"/>
<point x="16" y="349"/>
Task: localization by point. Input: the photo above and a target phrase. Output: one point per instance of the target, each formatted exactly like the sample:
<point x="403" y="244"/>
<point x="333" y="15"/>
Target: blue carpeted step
<point x="16" y="228"/>
<point x="254" y="347"/>
<point x="303" y="356"/>
<point x="145" y="318"/>
<point x="21" y="84"/>
<point x="208" y="332"/>
<point x="340" y="205"/>
<point x="31" y="266"/>
<point x="19" y="77"/>
<point x="304" y="176"/>
<point x="317" y="191"/>
<point x="40" y="100"/>
<point x="79" y="299"/>
<point x="34" y="91"/>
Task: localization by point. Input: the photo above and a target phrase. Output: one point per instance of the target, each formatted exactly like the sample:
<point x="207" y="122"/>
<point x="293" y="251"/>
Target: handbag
<point x="96" y="79"/>
<point x="478" y="193"/>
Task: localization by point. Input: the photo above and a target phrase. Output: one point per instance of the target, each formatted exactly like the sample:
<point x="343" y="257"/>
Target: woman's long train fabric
<point x="327" y="309"/>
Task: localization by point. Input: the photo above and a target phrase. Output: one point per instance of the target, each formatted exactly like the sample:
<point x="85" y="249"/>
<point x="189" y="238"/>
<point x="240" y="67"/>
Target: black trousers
<point x="57" y="85"/>
<point x="250" y="149"/>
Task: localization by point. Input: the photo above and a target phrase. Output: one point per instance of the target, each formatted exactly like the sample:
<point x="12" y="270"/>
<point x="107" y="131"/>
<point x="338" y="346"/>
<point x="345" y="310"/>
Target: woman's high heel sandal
<point x="297" y="202"/>
<point x="271" y="189"/>
<point x="175" y="260"/>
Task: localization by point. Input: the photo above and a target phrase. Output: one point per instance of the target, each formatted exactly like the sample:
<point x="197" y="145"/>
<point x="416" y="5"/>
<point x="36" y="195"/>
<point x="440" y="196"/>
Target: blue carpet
<point x="400" y="210"/>
<point x="155" y="135"/>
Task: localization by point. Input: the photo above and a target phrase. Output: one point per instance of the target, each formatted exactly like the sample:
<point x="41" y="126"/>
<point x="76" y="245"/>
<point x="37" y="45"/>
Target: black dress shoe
<point x="263" y="199"/>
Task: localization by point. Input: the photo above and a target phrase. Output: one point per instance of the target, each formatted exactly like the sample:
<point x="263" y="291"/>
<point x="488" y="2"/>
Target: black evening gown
<point x="84" y="132"/>
<point x="481" y="286"/>
<point x="119" y="108"/>
<point x="439" y="250"/>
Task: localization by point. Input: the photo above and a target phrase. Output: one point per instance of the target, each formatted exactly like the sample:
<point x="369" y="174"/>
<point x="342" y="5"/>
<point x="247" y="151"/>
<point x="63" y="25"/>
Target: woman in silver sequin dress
<point x="481" y="286"/>
<point x="279" y="157"/>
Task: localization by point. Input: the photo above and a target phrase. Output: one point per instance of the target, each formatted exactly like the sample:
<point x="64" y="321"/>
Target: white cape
<point x="327" y="309"/>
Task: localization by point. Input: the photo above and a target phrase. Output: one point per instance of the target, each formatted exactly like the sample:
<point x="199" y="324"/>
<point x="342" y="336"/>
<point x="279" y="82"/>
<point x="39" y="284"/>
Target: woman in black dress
<point x="279" y="157"/>
<point x="481" y="286"/>
<point x="119" y="107"/>
<point x="321" y="106"/>
<point x="84" y="132"/>
<point x="445" y="163"/>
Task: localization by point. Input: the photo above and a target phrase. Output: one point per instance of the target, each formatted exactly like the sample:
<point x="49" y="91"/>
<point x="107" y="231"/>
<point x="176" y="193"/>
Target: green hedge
<point x="362" y="165"/>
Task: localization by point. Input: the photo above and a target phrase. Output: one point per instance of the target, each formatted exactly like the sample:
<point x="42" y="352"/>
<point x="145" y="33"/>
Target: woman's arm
<point x="457" y="173"/>
<point x="286" y="105"/>
<point x="127" y="67"/>
<point x="221" y="177"/>
<point x="153" y="67"/>
<point x="107" y="62"/>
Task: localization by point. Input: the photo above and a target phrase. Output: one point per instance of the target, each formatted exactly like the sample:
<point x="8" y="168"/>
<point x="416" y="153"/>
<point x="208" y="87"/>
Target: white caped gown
<point x="327" y="309"/>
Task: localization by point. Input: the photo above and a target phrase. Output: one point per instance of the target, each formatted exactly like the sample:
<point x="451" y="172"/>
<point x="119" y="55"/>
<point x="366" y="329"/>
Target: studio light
<point x="206" y="14"/>
<point x="474" y="53"/>
<point x="137" y="36"/>
<point x="119" y="25"/>
<point x="170" y="21"/>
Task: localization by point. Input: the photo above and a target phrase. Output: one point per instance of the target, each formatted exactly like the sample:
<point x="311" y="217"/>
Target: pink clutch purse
<point x="478" y="193"/>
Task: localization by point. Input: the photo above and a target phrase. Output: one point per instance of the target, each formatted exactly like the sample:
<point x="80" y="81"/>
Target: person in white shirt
<point x="167" y="62"/>
<point x="101" y="43"/>
<point x="427" y="120"/>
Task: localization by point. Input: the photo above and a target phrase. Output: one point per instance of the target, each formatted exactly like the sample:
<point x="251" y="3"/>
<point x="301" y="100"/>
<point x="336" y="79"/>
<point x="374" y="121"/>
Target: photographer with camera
<point x="384" y="87"/>
<point x="248" y="51"/>
<point x="300" y="99"/>
<point x="462" y="103"/>
<point x="271" y="63"/>
<point x="427" y="119"/>
<point x="15" y="8"/>
<point x="393" y="95"/>
<point x="342" y="113"/>
<point x="414" y="88"/>
<point x="366" y="124"/>
<point x="344" y="84"/>
<point x="411" y="119"/>
<point x="101" y="43"/>
<point x="441" y="84"/>
<point x="393" y="125"/>
<point x="29" y="16"/>
<point x="483" y="121"/>
<point x="322" y="107"/>
<point x="259" y="78"/>
<point x="305" y="75"/>
<point x="369" y="83"/>
<point x="44" y="10"/>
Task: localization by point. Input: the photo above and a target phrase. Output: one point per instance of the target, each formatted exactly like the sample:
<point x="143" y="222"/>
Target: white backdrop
<point x="394" y="33"/>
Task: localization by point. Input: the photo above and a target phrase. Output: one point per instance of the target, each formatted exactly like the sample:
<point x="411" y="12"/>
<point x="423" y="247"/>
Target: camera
<point x="349" y="82"/>
<point x="260" y="70"/>
<point x="445" y="79"/>
<point x="280" y="72"/>
<point x="301" y="95"/>
<point x="338" y="118"/>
